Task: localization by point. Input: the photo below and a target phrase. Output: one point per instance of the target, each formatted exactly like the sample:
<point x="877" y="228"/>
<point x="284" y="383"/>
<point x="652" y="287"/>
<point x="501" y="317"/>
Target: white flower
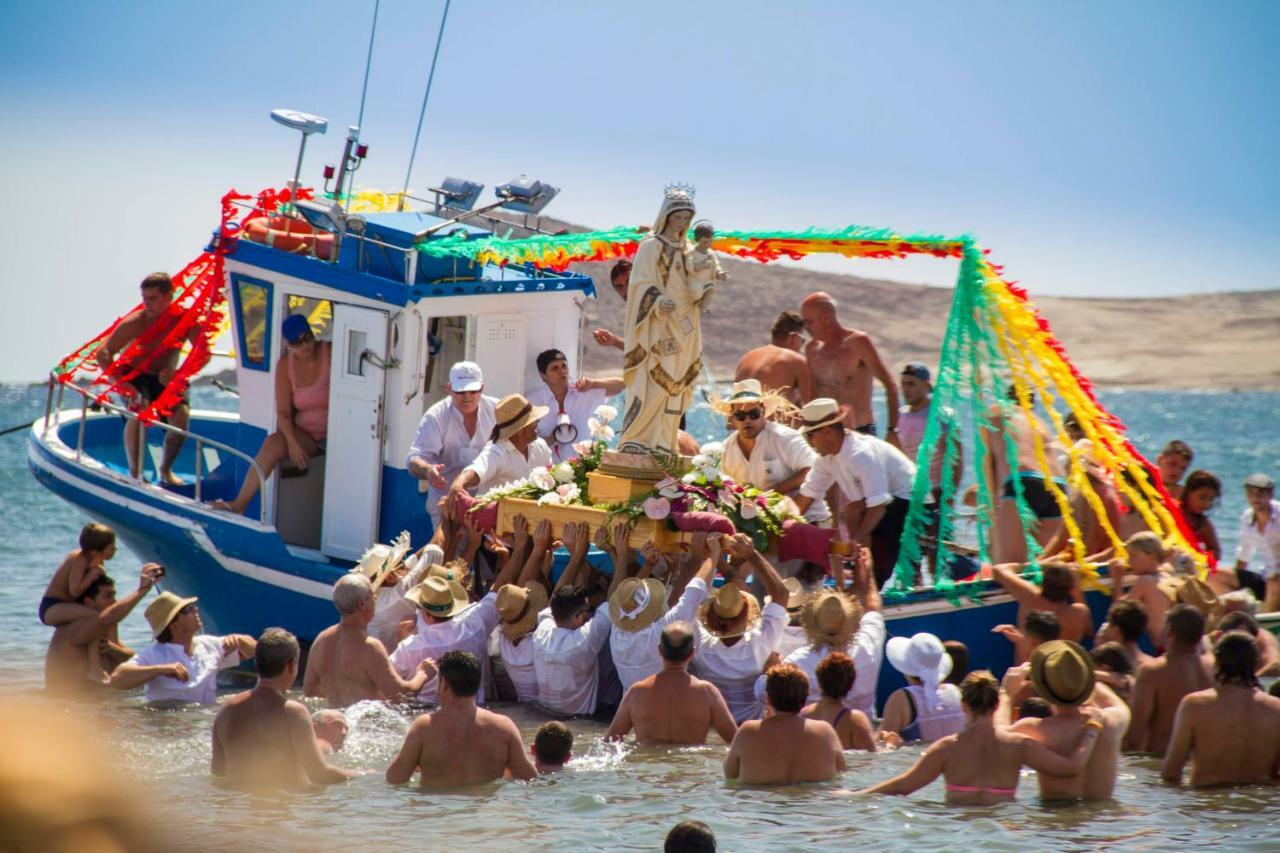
<point x="550" y="499"/>
<point x="568" y="492"/>
<point x="657" y="508"/>
<point x="669" y="488"/>
<point x="543" y="479"/>
<point x="748" y="509"/>
<point x="710" y="471"/>
<point x="605" y="433"/>
<point x="713" y="451"/>
<point x="563" y="472"/>
<point x="606" y="413"/>
<point x="691" y="477"/>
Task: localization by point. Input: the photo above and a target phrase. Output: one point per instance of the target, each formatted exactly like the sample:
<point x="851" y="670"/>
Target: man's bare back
<point x="784" y="749"/>
<point x="454" y="747"/>
<point x="263" y="742"/>
<point x="1160" y="686"/>
<point x="1061" y="733"/>
<point x="1231" y="734"/>
<point x="346" y="666"/>
<point x="673" y="707"/>
<point x="778" y="367"/>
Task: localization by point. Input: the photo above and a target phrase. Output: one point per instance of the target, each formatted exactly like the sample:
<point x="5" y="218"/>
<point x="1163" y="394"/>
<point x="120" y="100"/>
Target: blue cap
<point x="916" y="369"/>
<point x="294" y="327"/>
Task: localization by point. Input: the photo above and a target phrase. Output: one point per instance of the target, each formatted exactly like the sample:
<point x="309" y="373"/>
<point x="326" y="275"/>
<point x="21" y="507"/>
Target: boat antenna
<point x="425" y="95"/>
<point x="364" y="89"/>
<point x="353" y="132"/>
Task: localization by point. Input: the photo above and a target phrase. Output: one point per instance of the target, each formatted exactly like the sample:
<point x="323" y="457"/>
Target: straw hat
<point x="830" y="618"/>
<point x="819" y="413"/>
<point x="1062" y="673"/>
<point x="736" y="612"/>
<point x="440" y="597"/>
<point x="519" y="606"/>
<point x="164" y="610"/>
<point x="513" y="414"/>
<point x="1190" y="590"/>
<point x="454" y="571"/>
<point x="636" y="604"/>
<point x="921" y="656"/>
<point x="751" y="391"/>
<point x="797" y="595"/>
<point x="381" y="560"/>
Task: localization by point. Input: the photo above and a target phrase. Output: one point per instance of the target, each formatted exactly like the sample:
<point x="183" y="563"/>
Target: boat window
<point x="357" y="346"/>
<point x="253" y="318"/>
<point x="319" y="313"/>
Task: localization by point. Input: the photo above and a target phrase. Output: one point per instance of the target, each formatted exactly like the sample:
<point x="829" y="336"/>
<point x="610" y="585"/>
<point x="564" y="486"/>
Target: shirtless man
<point x="346" y="665"/>
<point x="844" y="363"/>
<point x="784" y="748"/>
<point x="1058" y="593"/>
<point x="459" y="744"/>
<point x="1063" y="675"/>
<point x="780" y="364"/>
<point x="330" y="727"/>
<point x="1007" y="422"/>
<point x="157" y="368"/>
<point x="1230" y="732"/>
<point x="263" y="741"/>
<point x="1172" y="463"/>
<point x="1162" y="682"/>
<point x="673" y="707"/>
<point x="69" y="668"/>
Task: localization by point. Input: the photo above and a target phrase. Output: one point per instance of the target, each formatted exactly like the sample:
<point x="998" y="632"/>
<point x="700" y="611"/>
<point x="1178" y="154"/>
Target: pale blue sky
<point x="1098" y="148"/>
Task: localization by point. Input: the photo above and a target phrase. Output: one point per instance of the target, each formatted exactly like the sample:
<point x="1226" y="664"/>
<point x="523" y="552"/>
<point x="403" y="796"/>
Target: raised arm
<point x="863" y="584"/>
<point x="741" y="548"/>
<point x="610" y="385"/>
<point x="85" y="631"/>
<point x="621" y="555"/>
<point x="1023" y="591"/>
<point x="577" y="541"/>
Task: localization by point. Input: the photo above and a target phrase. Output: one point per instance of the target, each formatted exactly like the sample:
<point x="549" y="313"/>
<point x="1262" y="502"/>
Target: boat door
<point x="353" y="475"/>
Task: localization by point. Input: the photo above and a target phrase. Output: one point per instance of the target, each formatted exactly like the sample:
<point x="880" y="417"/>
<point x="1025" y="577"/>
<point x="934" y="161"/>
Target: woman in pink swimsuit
<point x="302" y="408"/>
<point x="981" y="764"/>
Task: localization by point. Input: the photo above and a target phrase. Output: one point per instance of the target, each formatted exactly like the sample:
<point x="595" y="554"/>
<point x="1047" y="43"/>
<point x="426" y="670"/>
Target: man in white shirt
<point x="452" y="433"/>
<point x="569" y="405"/>
<point x="638" y="608"/>
<point x="513" y="452"/>
<point x="182" y="665"/>
<point x="447" y="622"/>
<point x="836" y="622"/>
<point x="735" y="637"/>
<point x="763" y="452"/>
<point x="874" y="478"/>
<point x="1258" y="554"/>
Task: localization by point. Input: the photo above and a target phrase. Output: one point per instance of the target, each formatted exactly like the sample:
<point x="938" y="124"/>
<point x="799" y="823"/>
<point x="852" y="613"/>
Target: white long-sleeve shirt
<point x="206" y="658"/>
<point x="468" y="632"/>
<point x="500" y="463"/>
<point x="1260" y="549"/>
<point x="778" y="454"/>
<point x="867" y="650"/>
<point x="734" y="669"/>
<point x="635" y="653"/>
<point x="865" y="468"/>
<point x="565" y="662"/>
<point x="442" y="440"/>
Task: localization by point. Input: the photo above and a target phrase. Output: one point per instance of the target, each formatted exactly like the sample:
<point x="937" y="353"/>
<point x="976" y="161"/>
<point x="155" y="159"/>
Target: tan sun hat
<point x="381" y="560"/>
<point x="736" y="611"/>
<point x="1190" y="590"/>
<point x="1062" y="673"/>
<point x="455" y="571"/>
<point x="519" y="607"/>
<point x="636" y="604"/>
<point x="513" y="414"/>
<point x="831" y="619"/>
<point x="751" y="391"/>
<point x="797" y="596"/>
<point x="164" y="610"/>
<point x="440" y="597"/>
<point x="819" y="413"/>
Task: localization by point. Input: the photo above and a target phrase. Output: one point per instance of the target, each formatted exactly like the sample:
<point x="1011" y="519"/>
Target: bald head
<point x="819" y="301"/>
<point x="676" y="642"/>
<point x="819" y="313"/>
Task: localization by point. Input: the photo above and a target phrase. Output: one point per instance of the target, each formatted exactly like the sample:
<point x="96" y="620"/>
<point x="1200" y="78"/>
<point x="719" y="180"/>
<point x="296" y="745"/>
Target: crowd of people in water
<point x="779" y="660"/>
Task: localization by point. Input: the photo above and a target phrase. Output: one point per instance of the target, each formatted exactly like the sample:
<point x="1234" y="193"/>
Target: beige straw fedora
<point x="519" y="607"/>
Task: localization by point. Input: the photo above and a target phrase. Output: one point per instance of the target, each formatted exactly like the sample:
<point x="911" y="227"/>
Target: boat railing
<point x="52" y="405"/>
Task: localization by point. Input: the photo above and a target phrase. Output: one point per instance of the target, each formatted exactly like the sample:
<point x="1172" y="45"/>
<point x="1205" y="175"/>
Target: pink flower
<point x="748" y="510"/>
<point x="727" y="498"/>
<point x="657" y="508"/>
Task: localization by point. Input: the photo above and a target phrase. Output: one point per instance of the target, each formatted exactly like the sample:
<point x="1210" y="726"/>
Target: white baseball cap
<point x="466" y="376"/>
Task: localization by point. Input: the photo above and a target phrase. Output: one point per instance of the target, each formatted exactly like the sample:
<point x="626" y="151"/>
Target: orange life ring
<point x="290" y="235"/>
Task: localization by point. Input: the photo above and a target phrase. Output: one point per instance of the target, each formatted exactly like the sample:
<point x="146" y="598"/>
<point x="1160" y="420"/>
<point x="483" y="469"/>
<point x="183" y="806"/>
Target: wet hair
<point x="461" y="671"/>
<point x="1042" y="624"/>
<point x="787" y="323"/>
<point x="835" y="675"/>
<point x="1147" y="542"/>
<point x="618" y="270"/>
<point x="1113" y="657"/>
<point x="1201" y="479"/>
<point x="547" y="356"/>
<point x="277" y="648"/>
<point x="96" y="537"/>
<point x="980" y="692"/>
<point x="959" y="653"/>
<point x="690" y="836"/>
<point x="351" y="592"/>
<point x="1034" y="706"/>
<point x="1235" y="660"/>
<point x="1185" y="624"/>
<point x="1178" y="447"/>
<point x="91" y="591"/>
<point x="787" y="688"/>
<point x="158" y="281"/>
<point x="553" y="743"/>
<point x="566" y="602"/>
<point x="675" y="643"/>
<point x="703" y="229"/>
<point x="1128" y="617"/>
<point x="1057" y="581"/>
<point x="1239" y="621"/>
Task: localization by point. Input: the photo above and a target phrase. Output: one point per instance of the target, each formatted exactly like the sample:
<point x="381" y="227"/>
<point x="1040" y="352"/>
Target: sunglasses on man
<point x="750" y="414"/>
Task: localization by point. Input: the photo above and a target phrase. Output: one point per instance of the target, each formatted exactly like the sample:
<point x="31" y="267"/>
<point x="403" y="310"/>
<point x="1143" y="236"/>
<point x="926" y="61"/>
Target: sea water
<point x="615" y="797"/>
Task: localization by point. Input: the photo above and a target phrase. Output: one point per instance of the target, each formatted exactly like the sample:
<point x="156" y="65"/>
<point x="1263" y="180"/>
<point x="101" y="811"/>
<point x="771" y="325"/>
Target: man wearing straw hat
<point x="446" y="621"/>
<point x="521" y="606"/>
<point x="452" y="433"/>
<point x="346" y="665"/>
<point x="1062" y="673"/>
<point x="182" y="664"/>
<point x="761" y="451"/>
<point x="639" y="611"/>
<point x="513" y="451"/>
<point x="736" y="637"/>
<point x="874" y="477"/>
